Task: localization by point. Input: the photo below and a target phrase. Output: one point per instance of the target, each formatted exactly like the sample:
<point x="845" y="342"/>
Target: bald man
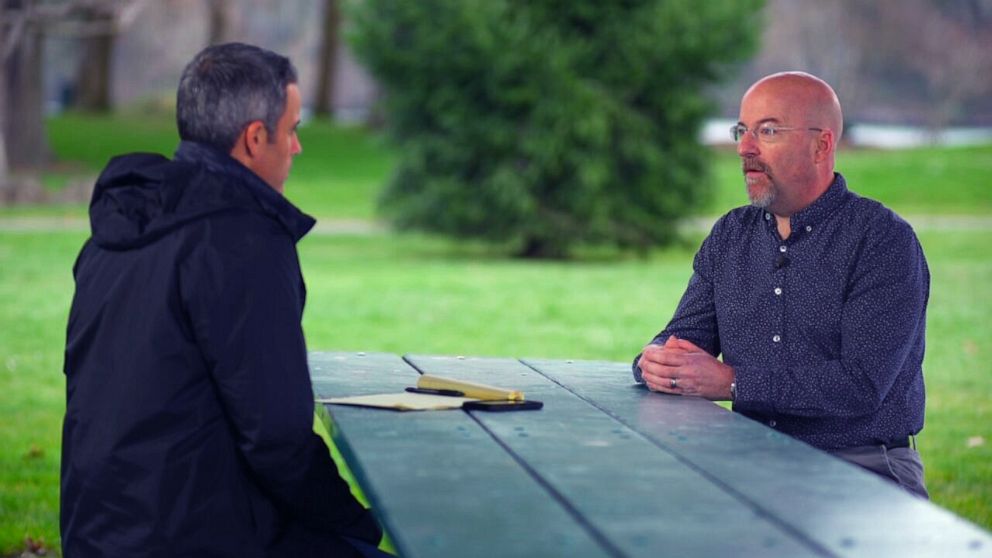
<point x="814" y="297"/>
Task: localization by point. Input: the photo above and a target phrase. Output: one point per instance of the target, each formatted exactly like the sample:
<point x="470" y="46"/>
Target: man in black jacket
<point x="188" y="427"/>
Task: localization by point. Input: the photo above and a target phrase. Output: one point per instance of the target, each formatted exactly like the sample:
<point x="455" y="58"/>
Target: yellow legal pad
<point x="406" y="401"/>
<point x="401" y="401"/>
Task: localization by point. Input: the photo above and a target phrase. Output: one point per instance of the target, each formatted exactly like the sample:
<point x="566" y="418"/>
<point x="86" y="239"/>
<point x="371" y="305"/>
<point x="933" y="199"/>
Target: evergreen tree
<point x="550" y="122"/>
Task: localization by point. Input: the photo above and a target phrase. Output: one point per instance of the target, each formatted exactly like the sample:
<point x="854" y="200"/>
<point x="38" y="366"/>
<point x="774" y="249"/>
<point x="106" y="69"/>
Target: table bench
<point x="608" y="468"/>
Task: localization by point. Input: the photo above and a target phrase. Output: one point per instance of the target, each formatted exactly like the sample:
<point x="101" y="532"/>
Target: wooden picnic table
<point x="608" y="468"/>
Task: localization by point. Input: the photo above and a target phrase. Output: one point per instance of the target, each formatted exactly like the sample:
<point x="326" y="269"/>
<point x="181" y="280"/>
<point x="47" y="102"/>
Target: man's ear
<point x="254" y="136"/>
<point x="824" y="144"/>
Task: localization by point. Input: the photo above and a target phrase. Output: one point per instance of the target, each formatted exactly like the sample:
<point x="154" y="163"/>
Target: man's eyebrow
<point x="771" y="120"/>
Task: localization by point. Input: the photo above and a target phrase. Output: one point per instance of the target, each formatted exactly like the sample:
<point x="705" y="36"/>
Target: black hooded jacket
<point x="188" y="427"/>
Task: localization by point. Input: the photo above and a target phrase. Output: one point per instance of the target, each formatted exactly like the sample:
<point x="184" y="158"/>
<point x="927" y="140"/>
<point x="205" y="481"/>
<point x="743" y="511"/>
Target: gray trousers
<point x="902" y="466"/>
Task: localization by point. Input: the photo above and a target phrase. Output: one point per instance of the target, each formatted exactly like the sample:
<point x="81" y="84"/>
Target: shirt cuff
<point x="636" y="369"/>
<point x="752" y="393"/>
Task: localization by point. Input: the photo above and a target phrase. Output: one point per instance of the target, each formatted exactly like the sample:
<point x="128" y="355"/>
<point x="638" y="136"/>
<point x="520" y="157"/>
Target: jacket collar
<point x="296" y="223"/>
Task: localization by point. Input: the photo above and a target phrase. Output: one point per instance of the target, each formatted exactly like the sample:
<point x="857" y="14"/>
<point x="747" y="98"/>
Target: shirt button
<point x="776" y="338"/>
<point x="768" y="216"/>
<point x="782" y="248"/>
<point x="778" y="290"/>
<point x="772" y="423"/>
<point x="809" y="228"/>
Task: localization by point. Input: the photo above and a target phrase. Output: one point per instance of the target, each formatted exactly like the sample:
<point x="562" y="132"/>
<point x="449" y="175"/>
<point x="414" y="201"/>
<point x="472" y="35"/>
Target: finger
<point x="647" y="355"/>
<point x="666" y="387"/>
<point x="645" y="364"/>
<point x="670" y="358"/>
<point x="663" y="387"/>
<point x="654" y="381"/>
<point x="686" y="345"/>
<point x="653" y="350"/>
<point x="654" y="357"/>
<point x="663" y="372"/>
<point x="667" y="381"/>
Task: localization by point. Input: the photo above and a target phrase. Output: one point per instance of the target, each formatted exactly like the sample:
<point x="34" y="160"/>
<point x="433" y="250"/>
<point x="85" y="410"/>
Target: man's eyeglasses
<point x="765" y="133"/>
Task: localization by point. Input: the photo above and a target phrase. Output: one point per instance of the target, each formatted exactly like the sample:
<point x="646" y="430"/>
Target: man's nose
<point x="748" y="145"/>
<point x="297" y="146"/>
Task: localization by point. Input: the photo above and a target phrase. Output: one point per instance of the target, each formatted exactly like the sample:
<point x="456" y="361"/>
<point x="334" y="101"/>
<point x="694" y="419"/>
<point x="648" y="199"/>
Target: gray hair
<point x="226" y="87"/>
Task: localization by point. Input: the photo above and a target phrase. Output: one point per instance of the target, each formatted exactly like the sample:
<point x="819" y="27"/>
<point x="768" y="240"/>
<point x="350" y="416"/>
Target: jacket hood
<point x="142" y="196"/>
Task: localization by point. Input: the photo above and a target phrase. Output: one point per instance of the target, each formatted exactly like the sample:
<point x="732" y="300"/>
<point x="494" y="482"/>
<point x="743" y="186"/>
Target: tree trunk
<point x="4" y="178"/>
<point x="220" y="21"/>
<point x="535" y="248"/>
<point x="23" y="118"/>
<point x="327" y="61"/>
<point x="94" y="77"/>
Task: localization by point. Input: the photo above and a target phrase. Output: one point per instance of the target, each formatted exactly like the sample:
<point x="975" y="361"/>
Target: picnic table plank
<point x="472" y="500"/>
<point x="844" y="509"/>
<point x="643" y="500"/>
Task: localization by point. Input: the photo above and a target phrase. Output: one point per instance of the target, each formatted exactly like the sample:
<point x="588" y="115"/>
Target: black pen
<point x="431" y="391"/>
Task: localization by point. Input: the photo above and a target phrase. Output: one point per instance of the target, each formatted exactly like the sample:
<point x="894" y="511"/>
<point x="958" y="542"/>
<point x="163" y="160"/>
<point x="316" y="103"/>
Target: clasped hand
<point x="682" y="368"/>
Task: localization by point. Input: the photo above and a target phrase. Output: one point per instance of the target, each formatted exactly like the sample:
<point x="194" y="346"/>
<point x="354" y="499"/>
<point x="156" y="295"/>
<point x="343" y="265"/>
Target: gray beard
<point x="765" y="199"/>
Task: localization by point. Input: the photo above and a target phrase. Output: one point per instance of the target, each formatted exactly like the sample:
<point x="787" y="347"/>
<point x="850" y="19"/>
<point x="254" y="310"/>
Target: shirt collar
<point x="814" y="214"/>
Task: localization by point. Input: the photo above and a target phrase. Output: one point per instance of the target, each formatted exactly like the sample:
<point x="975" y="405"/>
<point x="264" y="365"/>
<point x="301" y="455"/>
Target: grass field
<point x="401" y="293"/>
<point x="340" y="170"/>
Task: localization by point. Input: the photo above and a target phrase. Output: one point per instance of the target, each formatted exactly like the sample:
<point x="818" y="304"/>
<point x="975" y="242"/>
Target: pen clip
<point x="431" y="391"/>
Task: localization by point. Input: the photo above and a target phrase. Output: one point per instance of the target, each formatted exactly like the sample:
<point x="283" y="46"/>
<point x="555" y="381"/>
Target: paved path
<point x="360" y="227"/>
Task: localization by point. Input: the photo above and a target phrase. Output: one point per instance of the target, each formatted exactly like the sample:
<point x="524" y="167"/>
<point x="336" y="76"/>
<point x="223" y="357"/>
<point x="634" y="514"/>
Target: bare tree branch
<point x="68" y="18"/>
<point x="12" y="26"/>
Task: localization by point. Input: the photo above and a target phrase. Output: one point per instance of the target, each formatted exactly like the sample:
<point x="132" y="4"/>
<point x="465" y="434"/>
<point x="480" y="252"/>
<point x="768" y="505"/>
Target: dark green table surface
<point x="607" y="468"/>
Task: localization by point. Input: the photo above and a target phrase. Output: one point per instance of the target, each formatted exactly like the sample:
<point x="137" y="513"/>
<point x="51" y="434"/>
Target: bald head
<point x="810" y="100"/>
<point x="788" y="170"/>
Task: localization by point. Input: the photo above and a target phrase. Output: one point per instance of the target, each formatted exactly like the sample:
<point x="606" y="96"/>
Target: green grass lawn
<point x="942" y="181"/>
<point x="341" y="170"/>
<point x="338" y="174"/>
<point x="410" y="293"/>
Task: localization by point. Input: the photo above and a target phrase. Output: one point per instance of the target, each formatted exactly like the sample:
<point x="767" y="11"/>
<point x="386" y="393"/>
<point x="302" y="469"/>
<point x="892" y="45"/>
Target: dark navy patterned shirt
<point x="825" y="330"/>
